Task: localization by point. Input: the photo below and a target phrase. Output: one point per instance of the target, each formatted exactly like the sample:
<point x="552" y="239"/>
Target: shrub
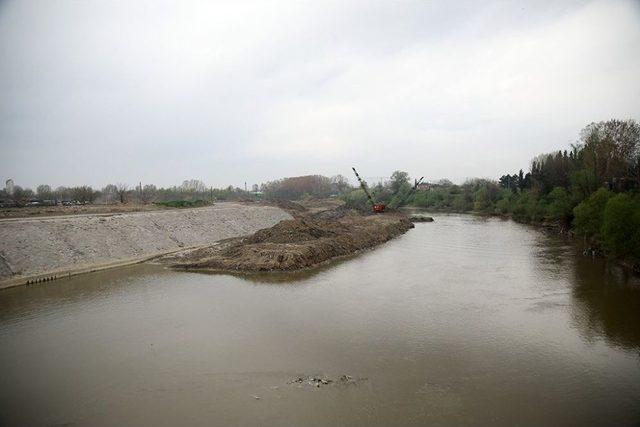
<point x="560" y="206"/>
<point x="525" y="205"/>
<point x="462" y="202"/>
<point x="505" y="202"/>
<point x="588" y="215"/>
<point x="356" y="199"/>
<point x="621" y="225"/>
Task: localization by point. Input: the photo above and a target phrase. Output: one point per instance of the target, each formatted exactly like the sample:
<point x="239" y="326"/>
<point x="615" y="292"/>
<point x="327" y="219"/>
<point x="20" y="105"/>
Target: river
<point x="464" y="321"/>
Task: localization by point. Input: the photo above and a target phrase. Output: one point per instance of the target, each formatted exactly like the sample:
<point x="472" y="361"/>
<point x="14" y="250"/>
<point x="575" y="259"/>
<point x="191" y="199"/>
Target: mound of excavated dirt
<point x="303" y="242"/>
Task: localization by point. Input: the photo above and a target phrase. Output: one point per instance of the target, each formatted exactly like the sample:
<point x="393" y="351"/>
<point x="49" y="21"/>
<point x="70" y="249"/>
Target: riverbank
<point x="40" y="249"/>
<point x="307" y="241"/>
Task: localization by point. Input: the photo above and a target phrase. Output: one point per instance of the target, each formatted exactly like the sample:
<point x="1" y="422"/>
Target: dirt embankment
<point x="308" y="240"/>
<point x="58" y="245"/>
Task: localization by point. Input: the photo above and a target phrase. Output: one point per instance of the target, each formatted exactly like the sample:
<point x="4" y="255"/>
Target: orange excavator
<point x="380" y="207"/>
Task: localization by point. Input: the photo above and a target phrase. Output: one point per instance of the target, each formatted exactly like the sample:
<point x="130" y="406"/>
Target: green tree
<point x="621" y="225"/>
<point x="560" y="206"/>
<point x="583" y="183"/>
<point x="462" y="202"/>
<point x="482" y="199"/>
<point x="399" y="181"/>
<point x="588" y="215"/>
<point x="503" y="205"/>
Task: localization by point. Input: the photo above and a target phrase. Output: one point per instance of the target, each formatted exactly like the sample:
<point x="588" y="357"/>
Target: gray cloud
<point x="96" y="92"/>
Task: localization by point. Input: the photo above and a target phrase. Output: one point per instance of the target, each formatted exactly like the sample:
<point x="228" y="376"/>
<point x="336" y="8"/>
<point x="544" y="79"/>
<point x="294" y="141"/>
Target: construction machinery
<point x="380" y="207"/>
<point x="416" y="182"/>
<point x="401" y="199"/>
<point x="377" y="207"/>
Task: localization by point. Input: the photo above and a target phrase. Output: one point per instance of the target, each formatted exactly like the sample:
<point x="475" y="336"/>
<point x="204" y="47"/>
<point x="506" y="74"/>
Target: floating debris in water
<point x="311" y="380"/>
<point x="420" y="218"/>
<point x="319" y="381"/>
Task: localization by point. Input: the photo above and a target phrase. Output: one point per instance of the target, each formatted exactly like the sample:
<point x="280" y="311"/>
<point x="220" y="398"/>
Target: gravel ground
<point x="41" y="245"/>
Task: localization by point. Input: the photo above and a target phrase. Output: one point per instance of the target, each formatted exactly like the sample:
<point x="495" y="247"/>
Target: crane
<point x="377" y="207"/>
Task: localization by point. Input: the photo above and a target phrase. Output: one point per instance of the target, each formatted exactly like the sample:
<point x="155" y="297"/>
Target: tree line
<point x="189" y="190"/>
<point x="293" y="188"/>
<point x="591" y="189"/>
<point x="308" y="186"/>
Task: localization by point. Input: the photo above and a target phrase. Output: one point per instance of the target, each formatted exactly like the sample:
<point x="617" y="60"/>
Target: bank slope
<point x="36" y="247"/>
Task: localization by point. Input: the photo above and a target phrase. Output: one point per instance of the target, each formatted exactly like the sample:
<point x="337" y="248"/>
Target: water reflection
<point x="285" y="278"/>
<point x="606" y="302"/>
<point x="605" y="297"/>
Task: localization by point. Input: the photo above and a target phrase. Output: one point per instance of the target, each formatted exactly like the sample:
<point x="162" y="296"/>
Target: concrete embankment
<point x="42" y="248"/>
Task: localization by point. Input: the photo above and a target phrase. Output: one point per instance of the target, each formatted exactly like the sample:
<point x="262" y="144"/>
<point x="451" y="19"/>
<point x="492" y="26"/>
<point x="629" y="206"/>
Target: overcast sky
<point x="94" y="92"/>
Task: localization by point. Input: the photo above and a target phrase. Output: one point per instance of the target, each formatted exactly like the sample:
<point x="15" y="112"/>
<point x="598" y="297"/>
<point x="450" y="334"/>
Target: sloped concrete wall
<point x="39" y="245"/>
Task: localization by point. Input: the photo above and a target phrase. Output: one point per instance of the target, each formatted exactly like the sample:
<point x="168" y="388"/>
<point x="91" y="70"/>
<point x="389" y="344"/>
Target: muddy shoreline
<point x="311" y="239"/>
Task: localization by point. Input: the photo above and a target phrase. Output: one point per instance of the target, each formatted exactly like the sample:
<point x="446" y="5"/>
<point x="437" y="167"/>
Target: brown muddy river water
<point x="464" y="321"/>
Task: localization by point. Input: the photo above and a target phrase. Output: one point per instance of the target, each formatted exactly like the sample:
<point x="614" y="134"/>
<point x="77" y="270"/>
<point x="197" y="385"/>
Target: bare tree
<point x="21" y="195"/>
<point x="121" y="191"/>
<point x="83" y="194"/>
<point x="61" y="193"/>
<point x="148" y="193"/>
<point x="340" y="184"/>
<point x="610" y="149"/>
<point x="194" y="185"/>
<point x="44" y="192"/>
<point x="109" y="193"/>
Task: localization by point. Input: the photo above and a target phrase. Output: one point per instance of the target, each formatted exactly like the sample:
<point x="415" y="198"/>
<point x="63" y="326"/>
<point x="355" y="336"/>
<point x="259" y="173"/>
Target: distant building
<point x="424" y="186"/>
<point x="9" y="186"/>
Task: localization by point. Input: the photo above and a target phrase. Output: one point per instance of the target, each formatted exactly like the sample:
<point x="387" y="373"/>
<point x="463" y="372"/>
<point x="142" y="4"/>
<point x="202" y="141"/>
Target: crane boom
<point x="364" y="187"/>
<point x="413" y="189"/>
